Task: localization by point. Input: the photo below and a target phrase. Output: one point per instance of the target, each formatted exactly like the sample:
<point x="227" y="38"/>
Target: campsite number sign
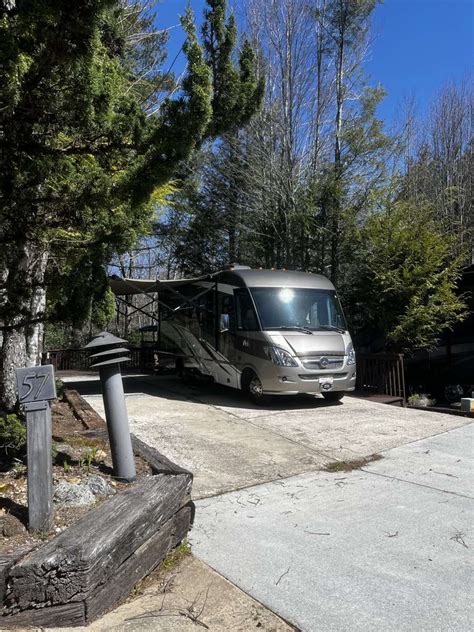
<point x="36" y="387"/>
<point x="36" y="384"/>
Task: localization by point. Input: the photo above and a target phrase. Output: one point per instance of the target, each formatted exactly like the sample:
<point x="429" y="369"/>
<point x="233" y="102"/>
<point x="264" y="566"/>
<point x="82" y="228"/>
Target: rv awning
<point x="121" y="286"/>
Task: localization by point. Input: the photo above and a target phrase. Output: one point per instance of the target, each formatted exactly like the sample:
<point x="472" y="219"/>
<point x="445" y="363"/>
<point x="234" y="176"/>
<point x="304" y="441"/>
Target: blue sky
<point x="417" y="46"/>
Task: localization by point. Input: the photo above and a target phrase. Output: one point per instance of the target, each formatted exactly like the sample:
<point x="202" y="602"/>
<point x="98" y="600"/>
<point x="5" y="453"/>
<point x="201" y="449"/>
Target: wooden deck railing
<point x="67" y="359"/>
<point x="381" y="374"/>
<point x="141" y="358"/>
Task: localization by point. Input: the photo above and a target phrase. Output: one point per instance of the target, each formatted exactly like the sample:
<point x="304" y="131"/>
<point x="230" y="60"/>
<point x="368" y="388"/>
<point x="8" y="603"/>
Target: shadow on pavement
<point x="200" y="392"/>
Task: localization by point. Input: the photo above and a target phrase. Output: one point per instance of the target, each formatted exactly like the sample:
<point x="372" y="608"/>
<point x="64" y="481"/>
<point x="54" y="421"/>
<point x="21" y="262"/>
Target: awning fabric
<point x="121" y="286"/>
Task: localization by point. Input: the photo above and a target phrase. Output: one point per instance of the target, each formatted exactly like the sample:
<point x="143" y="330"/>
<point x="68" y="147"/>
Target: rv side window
<point x="206" y="316"/>
<point x="246" y="318"/>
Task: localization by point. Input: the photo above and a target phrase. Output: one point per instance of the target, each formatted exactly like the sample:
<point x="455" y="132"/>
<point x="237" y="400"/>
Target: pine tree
<point x="236" y="91"/>
<point x="85" y="148"/>
<point x="403" y="284"/>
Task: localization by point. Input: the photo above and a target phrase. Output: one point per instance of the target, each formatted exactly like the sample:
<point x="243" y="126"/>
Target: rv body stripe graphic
<point x="213" y="355"/>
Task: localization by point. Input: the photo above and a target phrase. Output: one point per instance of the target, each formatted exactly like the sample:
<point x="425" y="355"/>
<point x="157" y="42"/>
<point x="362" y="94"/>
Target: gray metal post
<point x="40" y="467"/>
<point x="117" y="422"/>
<point x="107" y="358"/>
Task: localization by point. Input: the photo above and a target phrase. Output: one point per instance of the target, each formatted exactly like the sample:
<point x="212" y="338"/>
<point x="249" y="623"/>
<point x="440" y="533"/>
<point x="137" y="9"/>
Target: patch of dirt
<point x="348" y="466"/>
<point x="64" y="421"/>
<point x="88" y="455"/>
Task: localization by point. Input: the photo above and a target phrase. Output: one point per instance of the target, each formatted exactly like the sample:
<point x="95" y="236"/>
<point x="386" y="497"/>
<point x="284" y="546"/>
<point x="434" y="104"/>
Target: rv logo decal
<point x="324" y="362"/>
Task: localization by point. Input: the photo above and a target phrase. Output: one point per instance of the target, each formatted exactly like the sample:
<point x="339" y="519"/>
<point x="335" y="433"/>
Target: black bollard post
<point x="107" y="358"/>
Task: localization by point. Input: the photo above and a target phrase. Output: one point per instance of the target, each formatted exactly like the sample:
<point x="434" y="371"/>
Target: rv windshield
<point x="304" y="309"/>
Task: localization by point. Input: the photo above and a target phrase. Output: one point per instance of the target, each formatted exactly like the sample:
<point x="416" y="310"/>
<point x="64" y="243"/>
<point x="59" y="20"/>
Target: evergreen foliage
<point x="80" y="159"/>
<point x="403" y="278"/>
<point x="12" y="435"/>
<point x="236" y="91"/>
<point x="87" y="145"/>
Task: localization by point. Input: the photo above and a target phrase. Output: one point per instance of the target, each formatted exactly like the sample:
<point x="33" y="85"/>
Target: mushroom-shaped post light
<point x="107" y="354"/>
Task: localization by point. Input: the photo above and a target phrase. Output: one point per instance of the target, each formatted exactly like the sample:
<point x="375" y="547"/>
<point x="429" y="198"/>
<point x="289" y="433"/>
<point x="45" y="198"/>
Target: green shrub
<point x="60" y="388"/>
<point x="58" y="336"/>
<point x="12" y="433"/>
<point x="420" y="400"/>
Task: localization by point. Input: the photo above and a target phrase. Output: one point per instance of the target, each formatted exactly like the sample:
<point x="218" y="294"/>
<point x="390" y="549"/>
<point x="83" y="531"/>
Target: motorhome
<point x="267" y="332"/>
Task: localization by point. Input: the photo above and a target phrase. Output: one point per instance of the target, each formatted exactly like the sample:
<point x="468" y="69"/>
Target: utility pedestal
<point x="107" y="357"/>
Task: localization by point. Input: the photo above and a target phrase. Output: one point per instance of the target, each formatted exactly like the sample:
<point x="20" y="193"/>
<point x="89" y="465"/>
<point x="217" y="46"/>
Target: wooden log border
<point x="91" y="567"/>
<point x="82" y="410"/>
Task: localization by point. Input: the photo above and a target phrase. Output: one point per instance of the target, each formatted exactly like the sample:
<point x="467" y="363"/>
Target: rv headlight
<point x="351" y="356"/>
<point x="280" y="356"/>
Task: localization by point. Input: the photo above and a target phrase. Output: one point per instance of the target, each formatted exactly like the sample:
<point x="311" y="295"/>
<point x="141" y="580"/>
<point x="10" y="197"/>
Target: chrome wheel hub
<point x="255" y="387"/>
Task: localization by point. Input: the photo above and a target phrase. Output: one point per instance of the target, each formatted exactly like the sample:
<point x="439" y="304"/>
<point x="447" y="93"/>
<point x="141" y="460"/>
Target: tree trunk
<point x="232" y="242"/>
<point x="336" y="192"/>
<point x="12" y="357"/>
<point x="34" y="333"/>
<point x="24" y="302"/>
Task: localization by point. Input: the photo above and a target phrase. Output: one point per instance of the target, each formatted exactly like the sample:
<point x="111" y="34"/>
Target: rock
<point x="66" y="453"/>
<point x="73" y="495"/>
<point x="99" y="486"/>
<point x="75" y="480"/>
<point x="100" y="455"/>
<point x="10" y="526"/>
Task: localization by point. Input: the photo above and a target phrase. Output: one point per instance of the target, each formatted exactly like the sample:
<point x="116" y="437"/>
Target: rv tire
<point x="252" y="385"/>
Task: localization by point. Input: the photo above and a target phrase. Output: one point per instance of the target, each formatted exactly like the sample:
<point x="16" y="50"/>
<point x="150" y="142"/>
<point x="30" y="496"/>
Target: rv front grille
<point x="315" y="376"/>
<point x="323" y="362"/>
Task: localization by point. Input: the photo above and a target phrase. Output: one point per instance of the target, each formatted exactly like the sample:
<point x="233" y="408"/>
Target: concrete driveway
<point x="385" y="547"/>
<point x="229" y="443"/>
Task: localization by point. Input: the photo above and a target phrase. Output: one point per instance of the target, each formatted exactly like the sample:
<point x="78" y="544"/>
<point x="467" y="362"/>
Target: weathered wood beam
<point x="73" y="565"/>
<point x="7" y="560"/>
<point x="139" y="565"/>
<point x="158" y="462"/>
<point x="68" y="614"/>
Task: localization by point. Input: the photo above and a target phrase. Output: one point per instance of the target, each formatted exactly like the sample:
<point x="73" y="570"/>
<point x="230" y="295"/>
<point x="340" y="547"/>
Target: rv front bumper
<point x="294" y="380"/>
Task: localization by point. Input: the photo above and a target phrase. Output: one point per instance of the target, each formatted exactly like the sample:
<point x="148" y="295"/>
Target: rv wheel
<point x="253" y="387"/>
<point x="334" y="396"/>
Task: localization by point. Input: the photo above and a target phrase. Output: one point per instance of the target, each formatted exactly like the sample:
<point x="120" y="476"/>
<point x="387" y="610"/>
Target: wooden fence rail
<point x="381" y="374"/>
<point x="67" y="359"/>
<point x="141" y="358"/>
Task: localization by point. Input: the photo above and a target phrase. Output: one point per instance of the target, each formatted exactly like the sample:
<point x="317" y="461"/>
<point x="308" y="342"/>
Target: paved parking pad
<point x="351" y="551"/>
<point x="229" y="443"/>
<point x="222" y="452"/>
<point x="346" y="430"/>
